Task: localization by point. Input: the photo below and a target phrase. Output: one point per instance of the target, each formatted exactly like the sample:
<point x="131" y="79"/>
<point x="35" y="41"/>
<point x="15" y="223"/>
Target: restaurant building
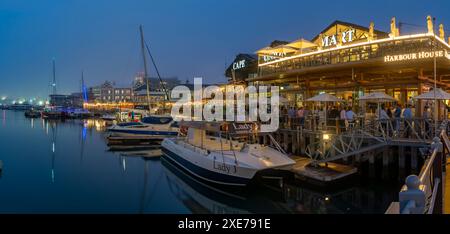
<point x="350" y="60"/>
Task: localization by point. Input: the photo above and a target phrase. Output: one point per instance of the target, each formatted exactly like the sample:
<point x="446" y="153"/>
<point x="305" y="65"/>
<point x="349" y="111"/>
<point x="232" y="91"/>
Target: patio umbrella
<point x="435" y="94"/>
<point x="432" y="95"/>
<point x="324" y="97"/>
<point x="283" y="100"/>
<point x="377" y="97"/>
<point x="301" y="44"/>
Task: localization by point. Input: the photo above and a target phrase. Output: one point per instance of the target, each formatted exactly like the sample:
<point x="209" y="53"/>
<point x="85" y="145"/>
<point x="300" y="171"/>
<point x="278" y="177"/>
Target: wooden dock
<point x="323" y="173"/>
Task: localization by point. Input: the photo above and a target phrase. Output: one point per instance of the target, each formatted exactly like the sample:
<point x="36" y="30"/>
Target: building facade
<point x="157" y="90"/>
<point x="110" y="93"/>
<point x="349" y="60"/>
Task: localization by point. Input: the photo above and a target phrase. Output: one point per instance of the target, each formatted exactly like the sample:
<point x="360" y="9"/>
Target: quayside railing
<point x="423" y="193"/>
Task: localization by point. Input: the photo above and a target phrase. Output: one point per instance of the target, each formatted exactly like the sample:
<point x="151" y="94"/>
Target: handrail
<point x="423" y="194"/>
<point x="434" y="195"/>
<point x="427" y="168"/>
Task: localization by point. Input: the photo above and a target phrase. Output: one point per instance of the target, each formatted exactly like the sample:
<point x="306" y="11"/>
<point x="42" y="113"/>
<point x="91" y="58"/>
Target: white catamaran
<point x="223" y="159"/>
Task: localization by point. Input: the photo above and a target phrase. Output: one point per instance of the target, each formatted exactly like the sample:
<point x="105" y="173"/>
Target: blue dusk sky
<point x="187" y="37"/>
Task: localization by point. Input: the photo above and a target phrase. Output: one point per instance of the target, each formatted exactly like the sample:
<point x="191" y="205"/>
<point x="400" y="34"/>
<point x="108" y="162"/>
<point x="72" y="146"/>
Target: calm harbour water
<point x="65" y="167"/>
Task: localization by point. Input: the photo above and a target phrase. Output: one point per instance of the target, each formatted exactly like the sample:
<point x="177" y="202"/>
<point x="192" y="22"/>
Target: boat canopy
<point x="156" y="120"/>
<point x="230" y="127"/>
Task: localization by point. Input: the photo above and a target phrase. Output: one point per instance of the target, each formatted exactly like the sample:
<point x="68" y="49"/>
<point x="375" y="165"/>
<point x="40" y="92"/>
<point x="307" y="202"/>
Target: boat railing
<point x="276" y="144"/>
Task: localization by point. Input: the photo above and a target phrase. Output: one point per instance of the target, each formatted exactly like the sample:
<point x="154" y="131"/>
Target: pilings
<point x="380" y="162"/>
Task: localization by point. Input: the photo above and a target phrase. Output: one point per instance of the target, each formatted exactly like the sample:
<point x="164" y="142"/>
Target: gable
<point x="341" y="33"/>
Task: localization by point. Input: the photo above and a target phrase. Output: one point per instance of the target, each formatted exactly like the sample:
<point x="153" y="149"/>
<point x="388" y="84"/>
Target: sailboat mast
<point x="145" y="67"/>
<point x="83" y="88"/>
<point x="54" y="77"/>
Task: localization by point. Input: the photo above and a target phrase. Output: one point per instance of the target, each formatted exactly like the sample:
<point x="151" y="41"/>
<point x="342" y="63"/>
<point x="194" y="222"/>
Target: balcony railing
<point x="352" y="54"/>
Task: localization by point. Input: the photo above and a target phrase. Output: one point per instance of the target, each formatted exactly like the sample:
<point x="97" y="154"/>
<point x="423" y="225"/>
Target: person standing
<point x="408" y="115"/>
<point x="291" y="115"/>
<point x="343" y="118"/>
<point x="301" y="116"/>
<point x="384" y="118"/>
<point x="397" y="116"/>
<point x="426" y="118"/>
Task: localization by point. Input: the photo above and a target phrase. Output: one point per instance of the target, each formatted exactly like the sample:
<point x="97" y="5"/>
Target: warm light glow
<point x="356" y="45"/>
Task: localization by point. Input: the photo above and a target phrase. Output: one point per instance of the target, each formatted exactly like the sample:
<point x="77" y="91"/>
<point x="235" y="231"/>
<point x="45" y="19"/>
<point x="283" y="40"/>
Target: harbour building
<point x="350" y="60"/>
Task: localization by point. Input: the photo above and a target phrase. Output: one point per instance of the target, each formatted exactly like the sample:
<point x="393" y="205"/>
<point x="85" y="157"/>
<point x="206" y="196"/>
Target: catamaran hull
<point x="144" y="133"/>
<point x="206" y="174"/>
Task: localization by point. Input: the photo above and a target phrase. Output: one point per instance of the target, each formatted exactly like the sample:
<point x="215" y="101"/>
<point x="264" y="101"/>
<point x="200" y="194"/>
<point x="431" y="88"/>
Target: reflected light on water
<point x="124" y="164"/>
<point x="99" y="125"/>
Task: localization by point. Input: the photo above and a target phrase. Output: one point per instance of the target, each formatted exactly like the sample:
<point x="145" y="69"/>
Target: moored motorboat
<point x="156" y="127"/>
<point x="78" y="113"/>
<point x="54" y="113"/>
<point x="32" y="113"/>
<point x="223" y="159"/>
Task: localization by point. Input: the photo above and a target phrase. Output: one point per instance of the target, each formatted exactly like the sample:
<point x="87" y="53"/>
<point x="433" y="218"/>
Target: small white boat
<point x="156" y="127"/>
<point x="220" y="160"/>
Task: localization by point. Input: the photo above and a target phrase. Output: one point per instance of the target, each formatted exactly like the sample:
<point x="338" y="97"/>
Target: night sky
<point x="187" y="37"/>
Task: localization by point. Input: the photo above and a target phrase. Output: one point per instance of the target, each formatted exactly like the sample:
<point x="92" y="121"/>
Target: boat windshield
<point x="130" y="124"/>
<point x="156" y="120"/>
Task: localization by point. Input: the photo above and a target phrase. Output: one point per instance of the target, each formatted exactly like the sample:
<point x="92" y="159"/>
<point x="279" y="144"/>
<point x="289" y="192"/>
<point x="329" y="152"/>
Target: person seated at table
<point x="349" y="117"/>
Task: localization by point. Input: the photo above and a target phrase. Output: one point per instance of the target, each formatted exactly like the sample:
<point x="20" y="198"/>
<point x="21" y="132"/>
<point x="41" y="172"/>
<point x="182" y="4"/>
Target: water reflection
<point x="91" y="179"/>
<point x="294" y="197"/>
<point x="53" y="152"/>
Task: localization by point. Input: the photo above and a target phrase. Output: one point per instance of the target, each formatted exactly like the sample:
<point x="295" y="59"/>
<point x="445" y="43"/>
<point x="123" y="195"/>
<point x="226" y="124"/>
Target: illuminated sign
<point x="239" y="65"/>
<point x="275" y="55"/>
<point x="414" y="56"/>
<point x="345" y="37"/>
